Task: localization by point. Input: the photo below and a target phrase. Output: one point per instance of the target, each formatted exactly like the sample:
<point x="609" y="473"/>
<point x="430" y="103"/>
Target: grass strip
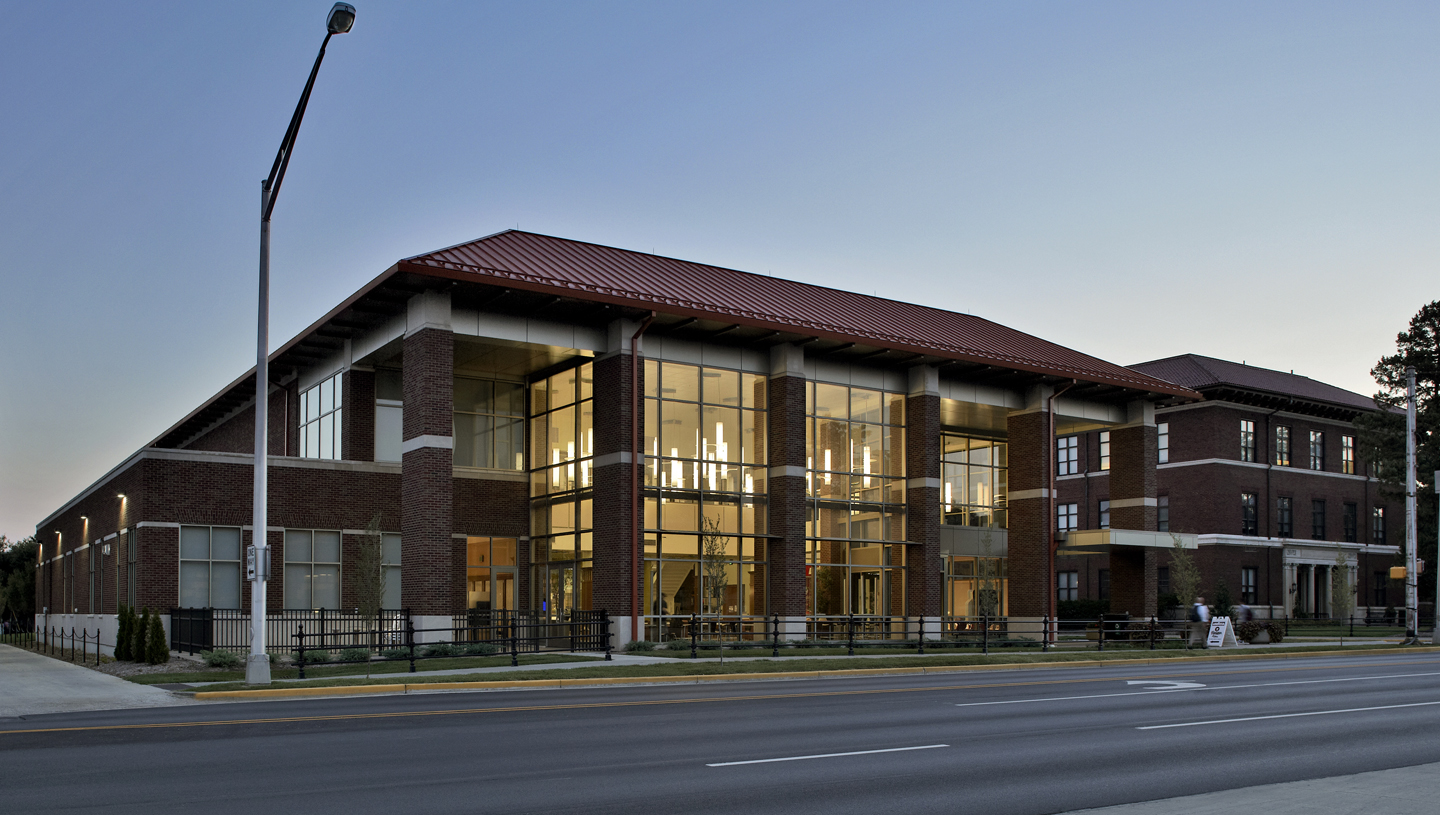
<point x="708" y="668"/>
<point x="377" y="669"/>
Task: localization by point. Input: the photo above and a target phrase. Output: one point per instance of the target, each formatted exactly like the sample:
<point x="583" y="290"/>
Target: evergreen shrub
<point x="157" y="647"/>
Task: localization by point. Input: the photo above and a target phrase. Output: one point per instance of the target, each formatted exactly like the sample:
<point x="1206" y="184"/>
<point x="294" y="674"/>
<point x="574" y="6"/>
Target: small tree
<point x="987" y="580"/>
<point x="370" y="572"/>
<point x="1342" y="594"/>
<point x="123" y="635"/>
<point x="717" y="574"/>
<point x="1184" y="573"/>
<point x="140" y="628"/>
<point x="157" y="648"/>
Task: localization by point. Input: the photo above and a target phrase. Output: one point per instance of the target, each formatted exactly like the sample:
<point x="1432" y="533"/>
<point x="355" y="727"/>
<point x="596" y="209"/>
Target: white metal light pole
<point x="1435" y="635"/>
<point x="257" y="667"/>
<point x="1412" y="580"/>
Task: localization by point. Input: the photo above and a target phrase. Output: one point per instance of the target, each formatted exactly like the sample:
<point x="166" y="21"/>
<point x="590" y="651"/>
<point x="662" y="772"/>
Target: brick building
<point x="550" y="425"/>
<point x="1266" y="472"/>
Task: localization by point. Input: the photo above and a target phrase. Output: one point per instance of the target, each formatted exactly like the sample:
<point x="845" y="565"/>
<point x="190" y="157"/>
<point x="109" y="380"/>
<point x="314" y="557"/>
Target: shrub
<point x="639" y="645"/>
<point x="124" y="637"/>
<point x="396" y="653"/>
<point x="807" y="643"/>
<point x="1277" y="631"/>
<point x="442" y="649"/>
<point x="682" y="644"/>
<point x="355" y="655"/>
<point x="221" y="659"/>
<point x="481" y="649"/>
<point x="709" y="645"/>
<point x="139" y="629"/>
<point x="1248" y="630"/>
<point x="316" y="657"/>
<point x="157" y="647"/>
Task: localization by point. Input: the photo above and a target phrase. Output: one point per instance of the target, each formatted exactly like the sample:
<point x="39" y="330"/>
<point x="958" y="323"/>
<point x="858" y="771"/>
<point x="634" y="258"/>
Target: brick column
<point x="358" y="415"/>
<point x="1031" y="447"/>
<point x="429" y="585"/>
<point x="924" y="568"/>
<point x="786" y="477"/>
<point x="1133" y="583"/>
<point x="614" y="507"/>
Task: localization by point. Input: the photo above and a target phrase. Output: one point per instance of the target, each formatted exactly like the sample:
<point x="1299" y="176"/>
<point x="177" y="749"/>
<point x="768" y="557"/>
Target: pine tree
<point x="140" y="627"/>
<point x="157" y="651"/>
<point x="123" y="636"/>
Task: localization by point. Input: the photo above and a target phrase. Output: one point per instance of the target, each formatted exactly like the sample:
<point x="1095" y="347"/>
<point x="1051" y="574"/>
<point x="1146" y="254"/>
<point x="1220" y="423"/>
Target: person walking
<point x="1199" y="622"/>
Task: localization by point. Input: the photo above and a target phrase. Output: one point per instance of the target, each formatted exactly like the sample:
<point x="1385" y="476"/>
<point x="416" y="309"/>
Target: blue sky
<point x="1249" y="181"/>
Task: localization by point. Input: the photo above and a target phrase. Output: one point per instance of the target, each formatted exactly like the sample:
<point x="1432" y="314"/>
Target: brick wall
<point x="1030" y="525"/>
<point x="786" y="448"/>
<point x="426" y="492"/>
<point x="614" y="524"/>
<point x="922" y="513"/>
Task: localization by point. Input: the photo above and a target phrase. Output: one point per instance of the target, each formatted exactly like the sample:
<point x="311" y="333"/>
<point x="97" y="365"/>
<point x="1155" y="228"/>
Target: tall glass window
<point x="1377" y="525"/>
<point x="1162" y="442"/>
<point x="1067" y="455"/>
<point x="1104" y="449"/>
<point x="1317" y="519"/>
<point x="312" y="569"/>
<point x="1282" y="446"/>
<point x="974" y="473"/>
<point x="1285" y="517"/>
<point x="1317" y="450"/>
<point x="1248" y="524"/>
<point x="705" y="438"/>
<point x="562" y="450"/>
<point x="855" y="457"/>
<point x="976" y="587"/>
<point x="490" y="574"/>
<point x="209" y="566"/>
<point x="1104" y="516"/>
<point x="1067" y="517"/>
<point x="1350" y="521"/>
<point x="489" y="424"/>
<point x="389" y="414"/>
<point x="1247" y="440"/>
<point x="1347" y="455"/>
<point x="1162" y="514"/>
<point x="320" y="420"/>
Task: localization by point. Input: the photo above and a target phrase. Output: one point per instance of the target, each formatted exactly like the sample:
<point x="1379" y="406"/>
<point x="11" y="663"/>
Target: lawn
<point x="388" y="668"/>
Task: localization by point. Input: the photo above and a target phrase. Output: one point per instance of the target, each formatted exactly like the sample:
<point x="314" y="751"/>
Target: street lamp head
<point x="342" y="16"/>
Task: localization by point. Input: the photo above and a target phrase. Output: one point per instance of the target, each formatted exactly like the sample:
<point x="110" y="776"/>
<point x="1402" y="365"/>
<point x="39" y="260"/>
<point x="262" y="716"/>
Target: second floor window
<point x="1282" y="447"/>
<point x="1317" y="450"/>
<point x="1347" y="455"/>
<point x="1350" y="522"/>
<point x="1162" y="514"/>
<point x="1317" y="519"/>
<point x="489" y="424"/>
<point x="1377" y="525"/>
<point x="1248" y="576"/>
<point x="1248" y="525"/>
<point x="1067" y="586"/>
<point x="1067" y="456"/>
<point x="1104" y="517"/>
<point x="1066" y="517"/>
<point x="1284" y="518"/>
<point x="1105" y="449"/>
<point x="1247" y="440"/>
<point x="1162" y="442"/>
<point x="320" y="420"/>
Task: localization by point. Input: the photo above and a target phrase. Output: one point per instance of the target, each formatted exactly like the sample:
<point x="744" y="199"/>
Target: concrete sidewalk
<point x="1406" y="791"/>
<point x="32" y="684"/>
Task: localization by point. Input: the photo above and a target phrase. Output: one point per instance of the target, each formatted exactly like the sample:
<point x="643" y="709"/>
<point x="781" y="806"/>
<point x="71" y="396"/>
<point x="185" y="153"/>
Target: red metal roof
<point x="602" y="273"/>
<point x="1202" y="373"/>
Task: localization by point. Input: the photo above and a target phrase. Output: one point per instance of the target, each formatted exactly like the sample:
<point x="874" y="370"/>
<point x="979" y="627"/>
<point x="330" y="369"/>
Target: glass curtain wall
<point x="562" y="449"/>
<point x="974" y="473"/>
<point x="704" y="500"/>
<point x="855" y="481"/>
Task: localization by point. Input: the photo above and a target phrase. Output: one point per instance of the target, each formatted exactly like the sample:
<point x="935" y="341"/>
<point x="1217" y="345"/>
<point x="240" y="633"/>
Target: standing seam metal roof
<point x="638" y="279"/>
<point x="1199" y="372"/>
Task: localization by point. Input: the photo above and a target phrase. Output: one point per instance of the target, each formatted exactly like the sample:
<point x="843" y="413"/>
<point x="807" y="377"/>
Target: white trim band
<point x="423" y="442"/>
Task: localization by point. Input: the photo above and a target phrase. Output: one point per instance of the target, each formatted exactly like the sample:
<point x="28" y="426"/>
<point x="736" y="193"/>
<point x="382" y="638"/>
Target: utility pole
<point x="1435" y="635"/>
<point x="1412" y="578"/>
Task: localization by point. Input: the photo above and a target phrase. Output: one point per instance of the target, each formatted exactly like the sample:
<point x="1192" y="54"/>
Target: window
<point x="1350" y="522"/>
<point x="320" y="420"/>
<point x="390" y="566"/>
<point x="1377" y="525"/>
<point x="1103" y="578"/>
<point x="1162" y="442"/>
<point x="1247" y="440"/>
<point x="490" y="425"/>
<point x="1162" y="513"/>
<point x="1317" y="450"/>
<point x="92" y="556"/>
<point x="1162" y="579"/>
<point x="1104" y="515"/>
<point x="1347" y="455"/>
<point x="1248" y="576"/>
<point x="1067" y="586"/>
<point x="490" y="575"/>
<point x="1282" y="447"/>
<point x="1284" y="517"/>
<point x="1067" y="456"/>
<point x="1066" y="517"/>
<point x="1247" y="514"/>
<point x="1105" y="449"/>
<point x="209" y="567"/>
<point x="312" y="569"/>
<point x="1317" y="519"/>
<point x="973" y="481"/>
<point x="1377" y="588"/>
<point x="132" y="560"/>
<point x="389" y="414"/>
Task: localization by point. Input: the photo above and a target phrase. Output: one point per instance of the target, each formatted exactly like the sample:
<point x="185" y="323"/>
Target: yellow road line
<point x="643" y="703"/>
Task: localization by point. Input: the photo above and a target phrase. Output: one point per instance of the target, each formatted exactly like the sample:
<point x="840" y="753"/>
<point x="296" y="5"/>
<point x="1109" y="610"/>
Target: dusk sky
<point x="1248" y="181"/>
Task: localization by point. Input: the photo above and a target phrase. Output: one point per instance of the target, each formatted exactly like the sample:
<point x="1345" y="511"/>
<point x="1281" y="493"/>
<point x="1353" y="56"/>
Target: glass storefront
<point x="490" y="574"/>
<point x="562" y="449"/>
<point x="976" y="587"/>
<point x="704" y="499"/>
<point x="855" y="483"/>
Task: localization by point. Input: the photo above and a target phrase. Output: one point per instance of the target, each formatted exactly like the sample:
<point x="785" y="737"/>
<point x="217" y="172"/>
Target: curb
<point x="518" y="684"/>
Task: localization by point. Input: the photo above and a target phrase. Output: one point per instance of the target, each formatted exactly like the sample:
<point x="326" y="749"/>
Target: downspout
<point x="1053" y="524"/>
<point x="1269" y="502"/>
<point x="636" y="454"/>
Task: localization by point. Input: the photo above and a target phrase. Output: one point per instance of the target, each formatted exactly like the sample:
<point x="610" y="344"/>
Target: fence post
<point x="693" y="640"/>
<point x="300" y="649"/>
<point x="1352" y="624"/>
<point x="1100" y="630"/>
<point x="775" y="651"/>
<point x="985" y="634"/>
<point x="514" y="639"/>
<point x="1151" y="633"/>
<point x="410" y="641"/>
<point x="850" y="634"/>
<point x="72" y="643"/>
<point x="1045" y="634"/>
<point x="922" y="633"/>
<point x="605" y="621"/>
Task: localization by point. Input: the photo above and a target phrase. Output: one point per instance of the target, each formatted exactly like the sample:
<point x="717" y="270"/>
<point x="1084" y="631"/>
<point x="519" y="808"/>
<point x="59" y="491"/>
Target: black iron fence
<point x="193" y="630"/>
<point x="78" y="644"/>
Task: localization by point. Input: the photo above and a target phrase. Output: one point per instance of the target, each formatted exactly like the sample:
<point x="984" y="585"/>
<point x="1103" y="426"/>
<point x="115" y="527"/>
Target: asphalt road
<point x="1031" y="741"/>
